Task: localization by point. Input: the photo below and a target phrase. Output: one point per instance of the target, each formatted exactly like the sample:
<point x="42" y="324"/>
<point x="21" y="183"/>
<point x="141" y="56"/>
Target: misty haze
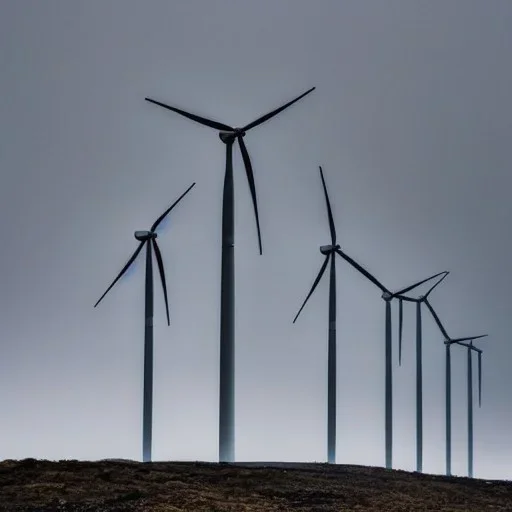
<point x="410" y="120"/>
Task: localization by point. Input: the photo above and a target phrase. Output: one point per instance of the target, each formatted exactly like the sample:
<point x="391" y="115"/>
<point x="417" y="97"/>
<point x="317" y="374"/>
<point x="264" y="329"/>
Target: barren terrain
<point x="35" y="485"/>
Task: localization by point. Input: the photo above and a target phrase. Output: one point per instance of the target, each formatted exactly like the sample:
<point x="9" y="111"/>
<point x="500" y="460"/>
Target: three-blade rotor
<point x="329" y="252"/>
<point x="470" y="346"/>
<point x="461" y="341"/>
<point x="401" y="297"/>
<point x="326" y="250"/>
<point x="229" y="134"/>
<point x="150" y="237"/>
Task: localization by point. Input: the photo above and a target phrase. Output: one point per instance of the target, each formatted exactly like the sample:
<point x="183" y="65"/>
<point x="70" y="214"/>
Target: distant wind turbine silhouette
<point x="228" y="135"/>
<point x="448" y="399"/>
<point x="419" y="371"/>
<point x="148" y="238"/>
<point x="328" y="251"/>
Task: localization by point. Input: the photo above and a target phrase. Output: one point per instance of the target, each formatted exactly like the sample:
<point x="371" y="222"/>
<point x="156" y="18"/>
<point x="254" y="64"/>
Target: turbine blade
<point x="436" y="318"/>
<point x="409" y="288"/>
<point x="198" y="119"/>
<point x="479" y="379"/>
<point x="162" y="276"/>
<point x="268" y="116"/>
<point x="252" y="185"/>
<point x="315" y="284"/>
<point x="162" y="217"/>
<point x="469" y="338"/>
<point x="436" y="284"/>
<point x="329" y="211"/>
<point x="468" y="345"/>
<point x="125" y="268"/>
<point x="362" y="270"/>
<point x="400" y="329"/>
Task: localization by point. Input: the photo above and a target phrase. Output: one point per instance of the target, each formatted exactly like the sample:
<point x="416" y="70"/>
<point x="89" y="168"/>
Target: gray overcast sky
<point x="411" y="121"/>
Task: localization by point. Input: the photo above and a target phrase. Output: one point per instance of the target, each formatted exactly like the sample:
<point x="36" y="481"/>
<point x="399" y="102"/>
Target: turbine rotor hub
<point x="387" y="296"/>
<point x="229" y="137"/>
<point x="328" y="249"/>
<point x="142" y="236"/>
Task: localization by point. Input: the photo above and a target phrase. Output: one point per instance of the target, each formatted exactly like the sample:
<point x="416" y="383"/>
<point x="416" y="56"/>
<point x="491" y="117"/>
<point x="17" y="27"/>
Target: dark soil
<point x="36" y="485"/>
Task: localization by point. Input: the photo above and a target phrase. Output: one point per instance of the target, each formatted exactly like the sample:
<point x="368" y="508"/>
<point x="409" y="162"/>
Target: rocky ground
<point x="35" y="485"/>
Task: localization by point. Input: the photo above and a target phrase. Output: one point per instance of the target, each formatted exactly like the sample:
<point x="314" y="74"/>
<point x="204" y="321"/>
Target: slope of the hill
<point x="34" y="485"/>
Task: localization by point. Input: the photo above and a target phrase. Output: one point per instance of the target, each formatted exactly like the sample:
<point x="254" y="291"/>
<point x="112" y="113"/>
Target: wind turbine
<point x="328" y="251"/>
<point x="448" y="400"/>
<point x="228" y="135"/>
<point x="419" y="371"/>
<point x="148" y="238"/>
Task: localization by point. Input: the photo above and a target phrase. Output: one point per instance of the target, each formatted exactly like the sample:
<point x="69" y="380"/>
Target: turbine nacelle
<point x="328" y="249"/>
<point x="228" y="137"/>
<point x="142" y="236"/>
